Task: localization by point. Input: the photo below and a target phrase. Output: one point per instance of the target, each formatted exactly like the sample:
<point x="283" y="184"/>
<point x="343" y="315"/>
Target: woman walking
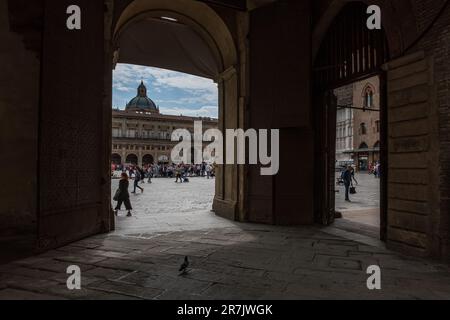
<point x="122" y="195"/>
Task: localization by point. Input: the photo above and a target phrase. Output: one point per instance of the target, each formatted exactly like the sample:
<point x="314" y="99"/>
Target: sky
<point x="175" y="93"/>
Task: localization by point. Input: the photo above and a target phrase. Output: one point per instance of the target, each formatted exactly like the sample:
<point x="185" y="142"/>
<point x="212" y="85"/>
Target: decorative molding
<point x="226" y="75"/>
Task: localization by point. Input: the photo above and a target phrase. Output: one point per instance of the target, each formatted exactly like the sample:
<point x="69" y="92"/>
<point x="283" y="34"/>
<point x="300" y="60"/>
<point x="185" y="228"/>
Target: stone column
<point x="140" y="155"/>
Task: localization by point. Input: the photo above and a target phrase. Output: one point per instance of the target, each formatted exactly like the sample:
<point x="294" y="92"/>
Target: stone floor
<point x="364" y="211"/>
<point x="228" y="260"/>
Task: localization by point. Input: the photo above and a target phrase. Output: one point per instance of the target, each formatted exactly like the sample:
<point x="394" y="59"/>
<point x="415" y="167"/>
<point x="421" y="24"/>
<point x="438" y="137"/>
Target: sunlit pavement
<point x="363" y="212"/>
<point x="228" y="260"/>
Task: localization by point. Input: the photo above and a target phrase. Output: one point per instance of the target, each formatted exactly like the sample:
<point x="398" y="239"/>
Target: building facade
<point x="344" y="125"/>
<point x="366" y="136"/>
<point x="141" y="135"/>
<point x="358" y="123"/>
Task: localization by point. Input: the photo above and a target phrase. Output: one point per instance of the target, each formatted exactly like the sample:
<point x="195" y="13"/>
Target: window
<point x="377" y="126"/>
<point x="368" y="97"/>
<point x="131" y="133"/>
<point x="116" y="132"/>
<point x="363" y="129"/>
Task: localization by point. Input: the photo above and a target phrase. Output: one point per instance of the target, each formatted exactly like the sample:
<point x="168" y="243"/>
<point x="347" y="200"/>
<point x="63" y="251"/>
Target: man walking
<point x="347" y="178"/>
<point x="138" y="177"/>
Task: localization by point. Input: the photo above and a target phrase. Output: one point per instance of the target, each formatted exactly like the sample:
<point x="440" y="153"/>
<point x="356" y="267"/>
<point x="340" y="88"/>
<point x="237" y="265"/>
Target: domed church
<point x="142" y="102"/>
<point x="141" y="135"/>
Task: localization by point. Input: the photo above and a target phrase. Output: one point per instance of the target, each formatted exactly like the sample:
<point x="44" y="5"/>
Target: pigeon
<point x="184" y="266"/>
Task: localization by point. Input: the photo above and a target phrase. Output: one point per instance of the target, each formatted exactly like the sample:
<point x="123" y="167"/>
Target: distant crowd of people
<point x="167" y="171"/>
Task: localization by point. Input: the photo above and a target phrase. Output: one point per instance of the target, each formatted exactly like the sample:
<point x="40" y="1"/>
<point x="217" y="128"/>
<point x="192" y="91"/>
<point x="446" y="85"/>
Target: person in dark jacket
<point x="347" y="178"/>
<point x="122" y="195"/>
<point x="137" y="178"/>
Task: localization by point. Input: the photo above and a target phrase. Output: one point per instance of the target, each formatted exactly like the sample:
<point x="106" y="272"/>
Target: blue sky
<point x="175" y="93"/>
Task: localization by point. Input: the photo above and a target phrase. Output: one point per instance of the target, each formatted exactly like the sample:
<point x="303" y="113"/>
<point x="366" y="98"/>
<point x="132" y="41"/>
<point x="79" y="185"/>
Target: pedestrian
<point x="208" y="171"/>
<point x="353" y="175"/>
<point x="142" y="175"/>
<point x="178" y="175"/>
<point x="150" y="174"/>
<point x="137" y="178"/>
<point x="347" y="178"/>
<point x="203" y="169"/>
<point x="379" y="170"/>
<point x="122" y="196"/>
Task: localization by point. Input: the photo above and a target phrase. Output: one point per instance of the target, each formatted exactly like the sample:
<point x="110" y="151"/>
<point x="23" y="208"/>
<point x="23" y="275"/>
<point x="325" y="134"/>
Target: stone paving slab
<point x="228" y="260"/>
<point x="332" y="269"/>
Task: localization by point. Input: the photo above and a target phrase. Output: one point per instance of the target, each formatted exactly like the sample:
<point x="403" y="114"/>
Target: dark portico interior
<point x="55" y="107"/>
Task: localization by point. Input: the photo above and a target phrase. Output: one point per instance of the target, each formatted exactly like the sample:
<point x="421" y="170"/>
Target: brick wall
<point x="368" y="117"/>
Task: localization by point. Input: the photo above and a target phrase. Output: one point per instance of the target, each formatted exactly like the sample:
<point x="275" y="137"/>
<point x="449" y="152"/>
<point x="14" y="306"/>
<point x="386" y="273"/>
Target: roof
<point x="142" y="102"/>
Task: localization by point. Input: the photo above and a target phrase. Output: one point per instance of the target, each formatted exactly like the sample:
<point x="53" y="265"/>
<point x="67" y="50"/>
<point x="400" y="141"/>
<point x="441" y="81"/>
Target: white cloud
<point x="132" y="74"/>
<point x="206" y="111"/>
<point x="186" y="92"/>
<point x="123" y="88"/>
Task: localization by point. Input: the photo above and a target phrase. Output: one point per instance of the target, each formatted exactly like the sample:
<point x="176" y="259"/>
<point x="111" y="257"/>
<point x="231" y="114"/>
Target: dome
<point x="141" y="102"/>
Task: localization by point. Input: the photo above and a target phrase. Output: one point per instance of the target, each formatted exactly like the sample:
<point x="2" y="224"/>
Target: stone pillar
<point x="123" y="154"/>
<point x="412" y="192"/>
<point x="140" y="155"/>
<point x="227" y="189"/>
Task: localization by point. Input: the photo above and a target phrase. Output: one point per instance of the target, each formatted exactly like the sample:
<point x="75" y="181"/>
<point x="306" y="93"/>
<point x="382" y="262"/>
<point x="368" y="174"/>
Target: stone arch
<point x="132" y="159"/>
<point x="148" y="159"/>
<point x="368" y="87"/>
<point x="363" y="146"/>
<point x="207" y="24"/>
<point x="198" y="15"/>
<point x="400" y="33"/>
<point x="116" y="159"/>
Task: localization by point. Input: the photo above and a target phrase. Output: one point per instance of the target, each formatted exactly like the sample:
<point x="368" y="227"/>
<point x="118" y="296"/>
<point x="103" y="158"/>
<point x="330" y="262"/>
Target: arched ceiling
<point x="169" y="45"/>
<point x="193" y="40"/>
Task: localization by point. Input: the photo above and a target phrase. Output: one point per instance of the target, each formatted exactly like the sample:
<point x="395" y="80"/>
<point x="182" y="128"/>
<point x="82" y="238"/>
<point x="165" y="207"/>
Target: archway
<point x="148" y="160"/>
<point x="363" y="146"/>
<point x="192" y="38"/>
<point x="347" y="56"/>
<point x="132" y="159"/>
<point x="116" y="159"/>
<point x="398" y="35"/>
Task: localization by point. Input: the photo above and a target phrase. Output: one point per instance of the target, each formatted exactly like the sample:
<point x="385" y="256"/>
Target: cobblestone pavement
<point x="365" y="205"/>
<point x="168" y="206"/>
<point x="228" y="260"/>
